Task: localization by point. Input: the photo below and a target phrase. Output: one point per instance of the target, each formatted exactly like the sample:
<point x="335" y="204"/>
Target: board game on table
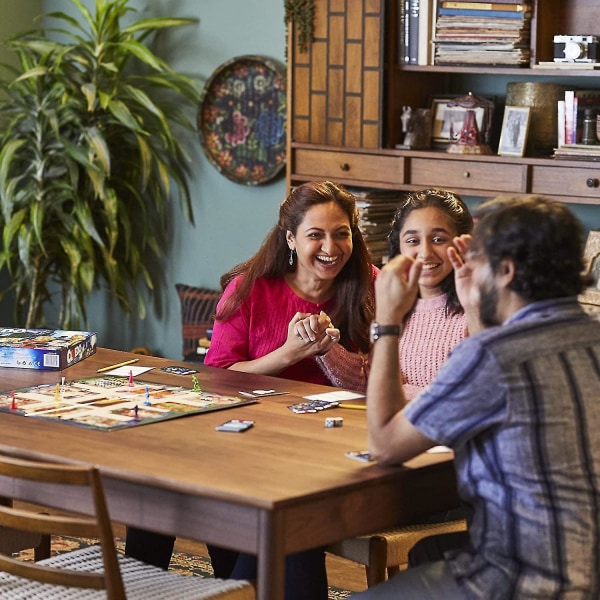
<point x="110" y="402"/>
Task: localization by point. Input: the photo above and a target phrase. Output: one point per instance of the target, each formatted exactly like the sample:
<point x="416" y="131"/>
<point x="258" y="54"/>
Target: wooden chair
<point x="386" y="551"/>
<point x="13" y="540"/>
<point x="98" y="571"/>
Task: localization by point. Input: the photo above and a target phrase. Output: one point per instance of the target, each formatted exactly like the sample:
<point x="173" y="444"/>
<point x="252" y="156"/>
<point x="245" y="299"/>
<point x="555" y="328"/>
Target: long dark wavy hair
<point x="457" y="211"/>
<point x="354" y="296"/>
<point x="542" y="237"/>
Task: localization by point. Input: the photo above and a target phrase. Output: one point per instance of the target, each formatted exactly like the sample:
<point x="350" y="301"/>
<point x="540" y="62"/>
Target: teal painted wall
<point x="231" y="219"/>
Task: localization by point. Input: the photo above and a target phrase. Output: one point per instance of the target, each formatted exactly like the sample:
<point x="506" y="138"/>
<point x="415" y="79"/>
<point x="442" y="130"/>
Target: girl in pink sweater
<point x="424" y="226"/>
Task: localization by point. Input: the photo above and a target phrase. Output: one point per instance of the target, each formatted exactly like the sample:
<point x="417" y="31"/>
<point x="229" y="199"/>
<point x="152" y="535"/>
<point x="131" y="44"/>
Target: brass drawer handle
<point x="345" y="167"/>
<point x="466" y="174"/>
<point x="592" y="182"/>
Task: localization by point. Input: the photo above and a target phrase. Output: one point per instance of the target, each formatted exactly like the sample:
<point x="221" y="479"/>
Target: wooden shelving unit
<point x="347" y="92"/>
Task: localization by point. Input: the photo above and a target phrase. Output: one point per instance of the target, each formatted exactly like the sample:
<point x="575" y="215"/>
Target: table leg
<point x="271" y="558"/>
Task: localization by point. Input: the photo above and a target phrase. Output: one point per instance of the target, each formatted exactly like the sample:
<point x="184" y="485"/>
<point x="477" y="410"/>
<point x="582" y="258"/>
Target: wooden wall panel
<point x="342" y="90"/>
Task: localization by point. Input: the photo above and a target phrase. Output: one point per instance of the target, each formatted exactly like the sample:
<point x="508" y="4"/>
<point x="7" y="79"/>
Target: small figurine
<point x="195" y="384"/>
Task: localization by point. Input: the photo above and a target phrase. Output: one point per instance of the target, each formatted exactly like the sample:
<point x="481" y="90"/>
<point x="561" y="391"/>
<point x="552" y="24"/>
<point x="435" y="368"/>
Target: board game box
<point x="110" y="402"/>
<point x="50" y="349"/>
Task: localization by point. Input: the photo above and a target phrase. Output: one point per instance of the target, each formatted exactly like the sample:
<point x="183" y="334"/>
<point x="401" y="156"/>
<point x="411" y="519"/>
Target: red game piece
<point x="130" y="377"/>
<point x="13" y="404"/>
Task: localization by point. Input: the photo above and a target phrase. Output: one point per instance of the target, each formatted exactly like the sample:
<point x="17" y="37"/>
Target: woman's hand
<point x="310" y="334"/>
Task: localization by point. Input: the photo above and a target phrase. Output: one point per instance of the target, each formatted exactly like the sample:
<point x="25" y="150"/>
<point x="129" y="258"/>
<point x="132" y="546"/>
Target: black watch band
<point x="378" y="331"/>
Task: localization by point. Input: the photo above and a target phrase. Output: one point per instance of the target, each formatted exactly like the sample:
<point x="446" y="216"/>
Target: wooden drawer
<point x="566" y="181"/>
<point x="457" y="174"/>
<point x="364" y="168"/>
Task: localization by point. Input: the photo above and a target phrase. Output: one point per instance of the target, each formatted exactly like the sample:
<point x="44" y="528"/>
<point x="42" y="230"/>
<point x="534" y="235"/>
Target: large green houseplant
<point x="91" y="156"/>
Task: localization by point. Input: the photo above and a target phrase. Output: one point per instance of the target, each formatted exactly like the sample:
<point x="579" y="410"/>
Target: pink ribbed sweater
<point x="428" y="337"/>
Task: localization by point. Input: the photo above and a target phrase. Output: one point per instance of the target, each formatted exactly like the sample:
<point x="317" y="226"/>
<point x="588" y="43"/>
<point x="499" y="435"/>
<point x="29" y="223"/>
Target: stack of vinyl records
<point x="477" y="33"/>
<point x="376" y="209"/>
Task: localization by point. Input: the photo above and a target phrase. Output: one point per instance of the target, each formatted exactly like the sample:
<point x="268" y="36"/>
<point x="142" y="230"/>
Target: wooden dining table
<point x="283" y="486"/>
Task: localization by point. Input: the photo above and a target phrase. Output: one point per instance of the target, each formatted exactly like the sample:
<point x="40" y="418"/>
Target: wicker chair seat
<point x="141" y="581"/>
<point x="388" y="549"/>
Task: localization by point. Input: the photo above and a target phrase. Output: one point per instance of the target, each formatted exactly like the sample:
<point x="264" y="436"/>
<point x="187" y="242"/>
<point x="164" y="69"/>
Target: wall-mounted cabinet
<point x="348" y="89"/>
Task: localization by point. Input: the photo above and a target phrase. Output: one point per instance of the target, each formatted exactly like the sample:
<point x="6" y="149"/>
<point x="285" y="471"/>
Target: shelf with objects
<point x="350" y="92"/>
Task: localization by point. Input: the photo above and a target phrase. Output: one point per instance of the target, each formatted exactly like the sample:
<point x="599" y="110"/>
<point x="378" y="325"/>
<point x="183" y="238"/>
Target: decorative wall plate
<point x="242" y="118"/>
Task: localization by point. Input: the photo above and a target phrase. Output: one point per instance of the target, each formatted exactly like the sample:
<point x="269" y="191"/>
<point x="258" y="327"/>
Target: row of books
<point x="454" y="32"/>
<point x="376" y="209"/>
<point x="571" y="112"/>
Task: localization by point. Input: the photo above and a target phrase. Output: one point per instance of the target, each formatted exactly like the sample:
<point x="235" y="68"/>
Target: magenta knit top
<point x="260" y="326"/>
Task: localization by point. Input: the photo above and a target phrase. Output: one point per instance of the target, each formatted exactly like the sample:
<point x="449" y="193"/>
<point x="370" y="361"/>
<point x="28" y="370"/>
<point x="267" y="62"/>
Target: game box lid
<point x="49" y="349"/>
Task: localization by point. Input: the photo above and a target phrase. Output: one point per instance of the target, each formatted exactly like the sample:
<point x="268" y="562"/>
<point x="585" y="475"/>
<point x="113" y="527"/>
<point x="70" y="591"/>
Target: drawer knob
<point x="592" y="182"/>
<point x="345" y="167"/>
<point x="466" y="174"/>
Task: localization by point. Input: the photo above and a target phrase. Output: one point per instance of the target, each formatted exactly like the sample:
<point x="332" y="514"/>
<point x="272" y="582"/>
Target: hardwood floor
<point x="341" y="573"/>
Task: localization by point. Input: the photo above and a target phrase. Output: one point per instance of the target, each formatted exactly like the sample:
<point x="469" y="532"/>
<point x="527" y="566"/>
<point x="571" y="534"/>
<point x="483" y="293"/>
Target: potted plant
<point x="91" y="155"/>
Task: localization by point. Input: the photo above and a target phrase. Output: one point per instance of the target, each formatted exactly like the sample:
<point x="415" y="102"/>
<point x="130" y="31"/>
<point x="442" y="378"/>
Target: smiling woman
<point x="276" y="317"/>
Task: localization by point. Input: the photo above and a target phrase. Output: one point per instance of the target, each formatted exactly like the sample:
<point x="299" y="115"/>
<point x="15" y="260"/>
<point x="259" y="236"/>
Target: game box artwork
<point x="50" y="349"/>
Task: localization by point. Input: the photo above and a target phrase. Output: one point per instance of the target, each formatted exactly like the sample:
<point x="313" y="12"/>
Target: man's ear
<point x="505" y="273"/>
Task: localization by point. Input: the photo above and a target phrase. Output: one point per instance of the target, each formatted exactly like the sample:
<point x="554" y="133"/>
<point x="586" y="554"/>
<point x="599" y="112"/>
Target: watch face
<point x="376" y="331"/>
<point x="373" y="333"/>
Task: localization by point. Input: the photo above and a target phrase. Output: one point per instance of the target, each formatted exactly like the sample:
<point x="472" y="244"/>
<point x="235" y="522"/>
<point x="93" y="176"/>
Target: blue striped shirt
<point x="520" y="406"/>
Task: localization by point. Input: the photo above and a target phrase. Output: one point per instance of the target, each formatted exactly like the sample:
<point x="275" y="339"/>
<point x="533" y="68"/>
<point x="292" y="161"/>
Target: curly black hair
<point x="541" y="236"/>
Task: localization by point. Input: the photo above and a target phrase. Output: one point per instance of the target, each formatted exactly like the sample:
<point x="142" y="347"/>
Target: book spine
<point x="485" y="6"/>
<point x="401" y="30"/>
<point x="569" y="98"/>
<point x="424" y="50"/>
<point x="406" y="42"/>
<point x="488" y="14"/>
<point x="413" y="28"/>
<point x="561" y="123"/>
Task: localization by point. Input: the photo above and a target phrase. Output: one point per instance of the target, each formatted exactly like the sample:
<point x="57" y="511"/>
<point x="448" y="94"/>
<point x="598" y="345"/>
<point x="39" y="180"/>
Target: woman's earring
<point x="291" y="259"/>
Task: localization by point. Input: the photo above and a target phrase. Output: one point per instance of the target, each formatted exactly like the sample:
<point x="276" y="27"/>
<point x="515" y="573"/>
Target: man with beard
<point x="518" y="402"/>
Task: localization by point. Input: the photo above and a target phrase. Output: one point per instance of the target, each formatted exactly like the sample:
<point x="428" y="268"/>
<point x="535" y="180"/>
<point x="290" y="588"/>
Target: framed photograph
<point x="513" y="137"/>
<point x="447" y="120"/>
<point x="592" y="267"/>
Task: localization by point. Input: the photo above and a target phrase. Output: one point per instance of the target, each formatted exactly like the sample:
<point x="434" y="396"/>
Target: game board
<point x="109" y="402"/>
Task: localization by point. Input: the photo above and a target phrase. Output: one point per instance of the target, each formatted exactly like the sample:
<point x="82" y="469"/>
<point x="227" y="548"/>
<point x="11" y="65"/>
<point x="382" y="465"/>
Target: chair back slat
<point x="97" y="525"/>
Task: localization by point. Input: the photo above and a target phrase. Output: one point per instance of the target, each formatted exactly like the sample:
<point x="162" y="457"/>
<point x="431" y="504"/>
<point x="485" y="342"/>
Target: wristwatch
<point x="377" y="330"/>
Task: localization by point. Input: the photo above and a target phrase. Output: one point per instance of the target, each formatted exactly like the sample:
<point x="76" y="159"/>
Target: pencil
<point x="354" y="406"/>
<point x="123" y="364"/>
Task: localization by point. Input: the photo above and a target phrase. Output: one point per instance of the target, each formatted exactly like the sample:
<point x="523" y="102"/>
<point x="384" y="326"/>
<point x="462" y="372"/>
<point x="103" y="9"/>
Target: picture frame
<point x="447" y="120"/>
<point x="515" y="127"/>
<point x="591" y="256"/>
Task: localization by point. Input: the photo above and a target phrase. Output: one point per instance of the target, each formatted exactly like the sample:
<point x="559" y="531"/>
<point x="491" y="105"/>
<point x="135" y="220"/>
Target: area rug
<point x="181" y="562"/>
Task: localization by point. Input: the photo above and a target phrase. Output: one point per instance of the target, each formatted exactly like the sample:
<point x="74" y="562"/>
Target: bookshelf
<point x="347" y="91"/>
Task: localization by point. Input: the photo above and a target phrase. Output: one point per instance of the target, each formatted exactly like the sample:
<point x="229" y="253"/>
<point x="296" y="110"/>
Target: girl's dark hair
<point x="355" y="303"/>
<point x="542" y="237"/>
<point x="457" y="211"/>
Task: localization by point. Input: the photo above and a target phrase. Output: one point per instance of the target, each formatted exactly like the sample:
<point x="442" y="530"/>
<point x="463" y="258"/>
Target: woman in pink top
<point x="276" y="317"/>
<point x="313" y="270"/>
